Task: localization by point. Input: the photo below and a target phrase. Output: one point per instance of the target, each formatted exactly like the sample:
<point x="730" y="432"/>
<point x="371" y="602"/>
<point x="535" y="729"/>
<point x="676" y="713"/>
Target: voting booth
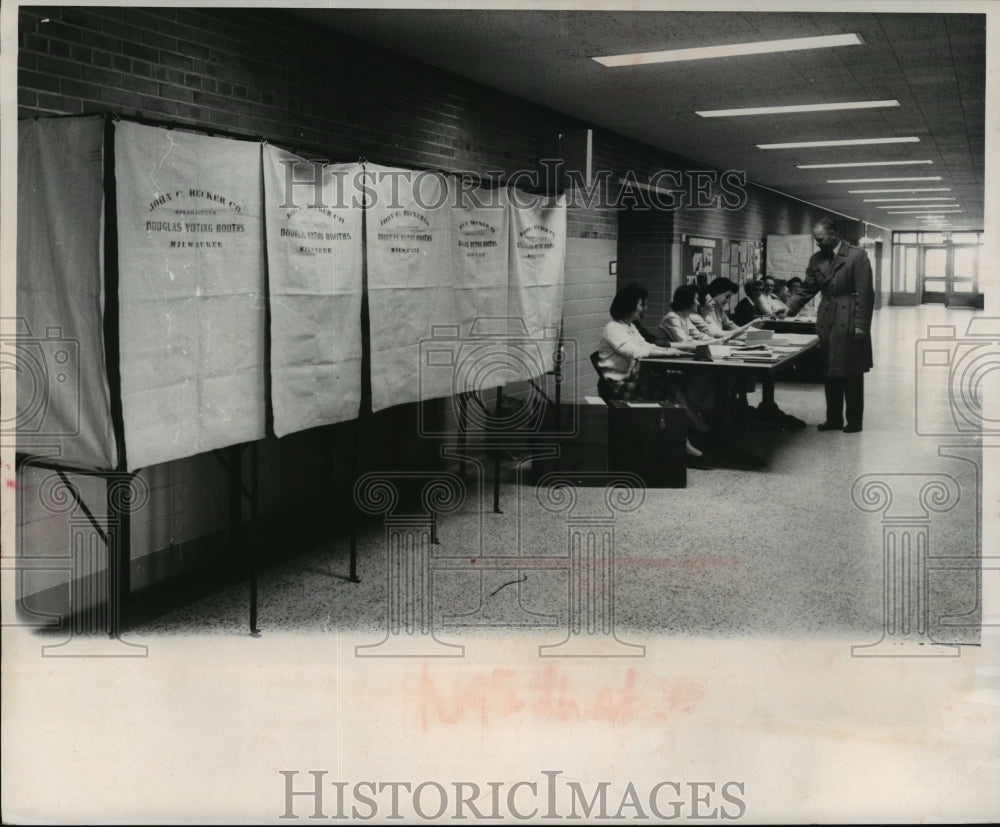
<point x="180" y="293"/>
<point x="175" y="287"/>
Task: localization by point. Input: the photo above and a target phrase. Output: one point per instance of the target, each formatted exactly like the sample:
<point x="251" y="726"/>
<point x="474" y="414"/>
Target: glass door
<point x="935" y="274"/>
<point x="962" y="288"/>
<point x="905" y="278"/>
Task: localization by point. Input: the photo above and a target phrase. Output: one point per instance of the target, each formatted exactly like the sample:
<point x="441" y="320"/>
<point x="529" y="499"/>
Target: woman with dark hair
<point x="720" y="291"/>
<point x="679" y="325"/>
<point x="621" y="348"/>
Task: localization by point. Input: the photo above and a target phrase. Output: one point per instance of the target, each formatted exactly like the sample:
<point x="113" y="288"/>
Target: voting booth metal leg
<point x="96" y="606"/>
<point x="237" y="491"/>
<point x="496" y="460"/>
<point x="252" y="550"/>
<point x="461" y="415"/>
<point x="119" y="540"/>
<point x="352" y="575"/>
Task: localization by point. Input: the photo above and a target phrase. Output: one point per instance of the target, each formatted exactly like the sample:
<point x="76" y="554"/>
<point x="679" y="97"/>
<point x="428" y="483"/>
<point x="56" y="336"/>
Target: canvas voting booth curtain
<point x="409" y="281"/>
<point x="63" y="397"/>
<point x="314" y="257"/>
<point x="481" y="359"/>
<point x="458" y="280"/>
<point x="191" y="292"/>
<point x="788" y="255"/>
<point x="538" y="273"/>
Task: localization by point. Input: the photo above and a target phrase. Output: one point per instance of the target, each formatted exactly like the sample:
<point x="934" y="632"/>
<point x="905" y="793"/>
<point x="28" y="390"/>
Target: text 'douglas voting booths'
<point x="180" y="293"/>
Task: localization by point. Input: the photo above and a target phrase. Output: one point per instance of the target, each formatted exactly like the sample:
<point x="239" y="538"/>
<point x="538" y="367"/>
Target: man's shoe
<point x="851" y="429"/>
<point x="830" y="426"/>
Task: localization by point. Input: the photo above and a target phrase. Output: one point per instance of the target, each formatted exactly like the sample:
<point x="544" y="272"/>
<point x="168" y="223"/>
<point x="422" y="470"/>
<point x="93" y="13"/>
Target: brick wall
<point x="266" y="73"/>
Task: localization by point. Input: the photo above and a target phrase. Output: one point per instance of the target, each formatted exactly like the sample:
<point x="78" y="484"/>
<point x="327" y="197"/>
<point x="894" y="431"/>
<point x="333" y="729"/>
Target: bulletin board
<point x="703" y="259"/>
<point x="743" y="260"/>
<point x="788" y="255"/>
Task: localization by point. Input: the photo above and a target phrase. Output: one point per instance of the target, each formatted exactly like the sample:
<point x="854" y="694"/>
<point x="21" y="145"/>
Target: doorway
<point x="936" y="268"/>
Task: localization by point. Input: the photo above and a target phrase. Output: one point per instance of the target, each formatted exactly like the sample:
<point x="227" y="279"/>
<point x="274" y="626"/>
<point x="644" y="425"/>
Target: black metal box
<point x="649" y="439"/>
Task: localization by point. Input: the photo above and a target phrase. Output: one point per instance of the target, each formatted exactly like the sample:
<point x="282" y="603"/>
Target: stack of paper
<point x="755" y="355"/>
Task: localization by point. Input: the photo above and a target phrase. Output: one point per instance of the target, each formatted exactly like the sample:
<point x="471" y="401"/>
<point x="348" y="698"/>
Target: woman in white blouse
<point x="684" y="325"/>
<point x="622" y="345"/>
<point x="621" y="348"/>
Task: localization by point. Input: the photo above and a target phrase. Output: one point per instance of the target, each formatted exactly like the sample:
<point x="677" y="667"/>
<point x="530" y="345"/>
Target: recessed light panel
<point x="761" y="47"/>
<point x="790" y="110"/>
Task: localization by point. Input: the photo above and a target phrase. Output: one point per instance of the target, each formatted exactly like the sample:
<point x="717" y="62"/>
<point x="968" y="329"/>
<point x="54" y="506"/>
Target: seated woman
<point x="681" y="329"/>
<point x="749" y="307"/>
<point x="622" y="346"/>
<point x="684" y="325"/>
<point x="713" y="311"/>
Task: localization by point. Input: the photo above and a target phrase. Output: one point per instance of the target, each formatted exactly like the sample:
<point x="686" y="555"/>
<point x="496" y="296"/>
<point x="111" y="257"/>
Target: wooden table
<point x="809" y="369"/>
<point x="791" y="324"/>
<point x="792" y="348"/>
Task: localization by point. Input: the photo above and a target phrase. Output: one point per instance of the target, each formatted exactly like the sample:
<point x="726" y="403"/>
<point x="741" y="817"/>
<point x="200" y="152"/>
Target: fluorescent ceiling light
<point x="919" y="215"/>
<point x="731" y="50"/>
<point x="954" y="201"/>
<point x="912" y="139"/>
<point x="931" y="207"/>
<point x="922" y="198"/>
<point x="861" y="164"/>
<point x="904" y="189"/>
<point x="881" y="180"/>
<point x="788" y="110"/>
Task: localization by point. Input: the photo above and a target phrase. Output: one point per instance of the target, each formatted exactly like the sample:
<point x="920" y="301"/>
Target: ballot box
<point x="648" y="439"/>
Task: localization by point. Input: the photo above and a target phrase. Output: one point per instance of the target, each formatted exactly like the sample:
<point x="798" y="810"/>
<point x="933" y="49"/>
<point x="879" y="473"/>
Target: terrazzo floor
<point x="783" y="550"/>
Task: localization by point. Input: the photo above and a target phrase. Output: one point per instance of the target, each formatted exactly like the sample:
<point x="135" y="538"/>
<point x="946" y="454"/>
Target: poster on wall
<point x="788" y="255"/>
<point x="409" y="281"/>
<point x="191" y="291"/>
<point x="702" y="260"/>
<point x="63" y="396"/>
<point x="537" y="276"/>
<point x="314" y="257"/>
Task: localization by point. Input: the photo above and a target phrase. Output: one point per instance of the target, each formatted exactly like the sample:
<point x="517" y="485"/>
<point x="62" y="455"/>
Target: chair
<point x="602" y="384"/>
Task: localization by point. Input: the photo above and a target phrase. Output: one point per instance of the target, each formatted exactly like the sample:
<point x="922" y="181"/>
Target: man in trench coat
<point x="842" y="275"/>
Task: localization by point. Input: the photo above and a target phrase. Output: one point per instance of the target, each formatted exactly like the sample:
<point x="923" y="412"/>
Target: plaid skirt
<point x="629" y="389"/>
<point x="649" y="386"/>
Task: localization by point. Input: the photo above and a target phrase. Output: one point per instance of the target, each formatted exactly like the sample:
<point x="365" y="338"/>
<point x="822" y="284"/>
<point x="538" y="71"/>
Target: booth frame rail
<point x="116" y="532"/>
<point x="461" y="411"/>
